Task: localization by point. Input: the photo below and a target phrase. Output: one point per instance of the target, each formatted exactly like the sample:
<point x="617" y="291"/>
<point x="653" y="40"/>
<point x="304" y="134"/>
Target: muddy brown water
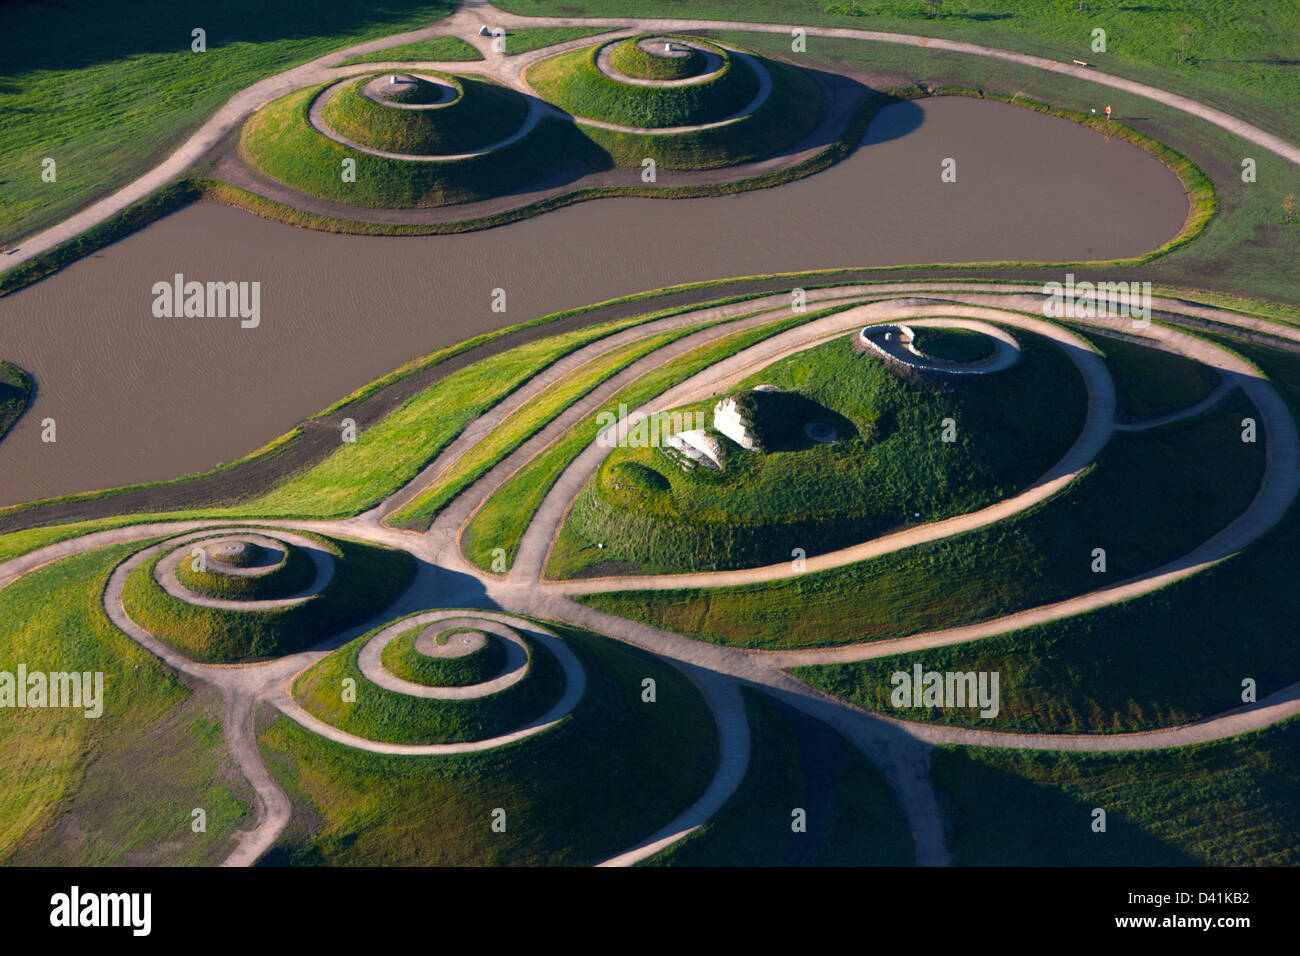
<point x="139" y="398"/>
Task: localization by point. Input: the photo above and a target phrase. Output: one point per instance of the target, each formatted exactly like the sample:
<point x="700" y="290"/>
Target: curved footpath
<point x="901" y="749"/>
<point x="475" y="13"/>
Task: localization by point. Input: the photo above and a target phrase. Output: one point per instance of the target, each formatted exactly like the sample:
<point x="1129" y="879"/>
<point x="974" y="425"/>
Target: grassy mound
<point x="379" y="714"/>
<point x="15" y="393"/>
<point x="953" y="345"/>
<point x="294" y="572"/>
<point x="650" y="760"/>
<point x="888" y="464"/>
<point x="1152" y="497"/>
<point x="788" y="114"/>
<point x="482" y="113"/>
<point x="402" y="659"/>
<point x="280" y="141"/>
<point x="631" y="59"/>
<point x="573" y="82"/>
<point x="367" y="578"/>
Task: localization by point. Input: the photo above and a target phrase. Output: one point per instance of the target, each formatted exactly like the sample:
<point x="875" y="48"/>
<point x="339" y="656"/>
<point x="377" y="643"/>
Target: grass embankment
<point x="280" y="141"/>
<point x="521" y="425"/>
<point x="503" y="518"/>
<point x="852" y="815"/>
<point x="652" y="760"/>
<point x="890" y="462"/>
<point x="367" y="578"/>
<point x="631" y="59"/>
<point x="294" y="572"/>
<point x="444" y="49"/>
<point x="573" y="82"/>
<point x="402" y="659"/>
<point x="1239" y="58"/>
<point x="1227" y="803"/>
<point x="109" y="90"/>
<point x="483" y="113"/>
<point x="379" y="714"/>
<point x="1152" y="496"/>
<point x="953" y="345"/>
<point x="15" y="393"/>
<point x="117" y="789"/>
<point x="1151" y="382"/>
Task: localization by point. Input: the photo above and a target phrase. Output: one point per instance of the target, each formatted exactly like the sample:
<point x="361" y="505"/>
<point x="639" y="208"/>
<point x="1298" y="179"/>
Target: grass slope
<point x="403" y="660"/>
<point x="1151" y="497"/>
<point x="888" y="464"/>
<point x="65" y="799"/>
<point x="294" y="573"/>
<point x="1150" y="382"/>
<point x="853" y="817"/>
<point x="1228" y="803"/>
<point x="379" y="714"/>
<point x="367" y="578"/>
<point x="954" y="345"/>
<point x="630" y="59"/>
<point x="652" y="761"/>
<point x="484" y="113"/>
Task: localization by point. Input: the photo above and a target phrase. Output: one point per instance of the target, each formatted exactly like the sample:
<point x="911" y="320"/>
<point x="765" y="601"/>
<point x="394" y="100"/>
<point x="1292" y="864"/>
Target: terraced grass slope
<point x="889" y="467"/>
<point x="367" y="578"/>
<point x="1152" y="497"/>
<point x="280" y="141"/>
<point x="402" y="659"/>
<point x="292" y="574"/>
<point x="631" y="58"/>
<point x="482" y="113"/>
<point x="1151" y="382"/>
<point x="1228" y="803"/>
<point x="379" y="714"/>
<point x="652" y="761"/>
<point x="573" y="82"/>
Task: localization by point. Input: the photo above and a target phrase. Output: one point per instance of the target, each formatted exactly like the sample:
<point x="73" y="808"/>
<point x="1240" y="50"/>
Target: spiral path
<point x="516" y="666"/>
<point x="165" y="569"/>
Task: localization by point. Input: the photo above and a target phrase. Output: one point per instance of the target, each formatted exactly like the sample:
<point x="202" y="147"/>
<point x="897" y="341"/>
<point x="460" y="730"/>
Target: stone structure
<point x="732" y="422"/>
<point x="694" y="447"/>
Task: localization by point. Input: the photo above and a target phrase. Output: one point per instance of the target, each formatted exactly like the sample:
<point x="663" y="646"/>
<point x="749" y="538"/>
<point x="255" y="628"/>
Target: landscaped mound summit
<point x="659" y="58"/>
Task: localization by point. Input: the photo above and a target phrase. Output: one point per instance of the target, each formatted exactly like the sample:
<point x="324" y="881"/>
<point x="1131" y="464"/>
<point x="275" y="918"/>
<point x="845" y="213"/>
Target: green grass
<point x="1152" y="496"/>
<point x="1239" y="57"/>
<point x="1150" y="382"/>
<point x="292" y="574"/>
<point x="652" y="761"/>
<point x="631" y="60"/>
<point x="788" y="114"/>
<point x="402" y="659"/>
<point x="574" y="83"/>
<point x="484" y="113"/>
<point x="521" y="425"/>
<point x="1227" y="803"/>
<point x="367" y="579"/>
<point x="442" y="49"/>
<point x="505" y="516"/>
<point x="15" y="393"/>
<point x="64" y="800"/>
<point x="109" y="90"/>
<point x="379" y="714"/>
<point x="535" y="38"/>
<point x="953" y="345"/>
<point x="888" y="464"/>
<point x="853" y="816"/>
<point x="280" y="141"/>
